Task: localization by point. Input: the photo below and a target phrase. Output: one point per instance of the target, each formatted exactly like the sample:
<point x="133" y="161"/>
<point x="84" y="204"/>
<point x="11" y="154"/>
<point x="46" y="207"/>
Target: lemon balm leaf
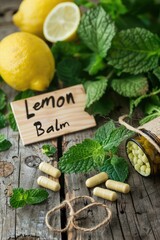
<point x="104" y="131"/>
<point x="48" y="150"/>
<point x="21" y="197"/>
<point x="3" y="100"/>
<point x="132" y="86"/>
<point x="69" y="71"/>
<point x="4" y="143"/>
<point x="2" y="121"/>
<point x="116" y="168"/>
<point x="135" y="51"/>
<point x="95" y="90"/>
<point x="97" y="30"/>
<point x="82" y="157"/>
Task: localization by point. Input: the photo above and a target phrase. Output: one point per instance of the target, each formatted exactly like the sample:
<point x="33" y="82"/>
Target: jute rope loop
<point x="72" y="215"/>
<point x="137" y="130"/>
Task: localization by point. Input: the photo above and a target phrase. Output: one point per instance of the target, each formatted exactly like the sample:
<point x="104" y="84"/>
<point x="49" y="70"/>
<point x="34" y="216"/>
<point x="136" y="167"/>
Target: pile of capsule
<point x="47" y="182"/>
<point x="110" y="184"/>
<point x="143" y="156"/>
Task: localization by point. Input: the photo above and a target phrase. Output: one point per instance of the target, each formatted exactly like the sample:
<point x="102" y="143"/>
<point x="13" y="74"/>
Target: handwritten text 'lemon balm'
<point x="52" y="114"/>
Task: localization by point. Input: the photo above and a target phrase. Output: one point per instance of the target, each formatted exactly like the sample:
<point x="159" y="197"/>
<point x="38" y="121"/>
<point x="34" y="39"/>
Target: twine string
<point x="72" y="215"/>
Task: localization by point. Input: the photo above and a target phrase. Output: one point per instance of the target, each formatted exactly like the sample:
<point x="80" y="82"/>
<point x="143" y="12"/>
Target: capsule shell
<point x="48" y="183"/>
<point x="118" y="186"/>
<point x="96" y="180"/>
<point x="49" y="169"/>
<point x="105" y="193"/>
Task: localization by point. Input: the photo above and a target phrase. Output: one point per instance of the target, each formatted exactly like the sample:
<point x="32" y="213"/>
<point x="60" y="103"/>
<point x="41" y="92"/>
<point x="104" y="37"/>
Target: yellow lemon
<point x="62" y="22"/>
<point x="32" y="13"/>
<point x="26" y="62"/>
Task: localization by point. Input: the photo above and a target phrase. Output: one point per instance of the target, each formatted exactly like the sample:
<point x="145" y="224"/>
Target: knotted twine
<point x="72" y="214"/>
<point x="139" y="131"/>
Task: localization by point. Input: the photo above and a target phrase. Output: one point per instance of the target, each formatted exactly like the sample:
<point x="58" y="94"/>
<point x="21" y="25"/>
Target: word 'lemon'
<point x="31" y="15"/>
<point x="62" y="22"/>
<point x="26" y="62"/>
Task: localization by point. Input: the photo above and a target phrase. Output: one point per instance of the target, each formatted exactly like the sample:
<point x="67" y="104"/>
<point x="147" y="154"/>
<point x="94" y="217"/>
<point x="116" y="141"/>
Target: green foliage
<point x="2" y="121"/>
<point x="97" y="30"/>
<point x="12" y="121"/>
<point x="69" y="71"/>
<point x="132" y="86"/>
<point x="21" y="197"/>
<point x="48" y="150"/>
<point x="114" y="8"/>
<point x="116" y="167"/>
<point x="4" y="143"/>
<point x="95" y="64"/>
<point x="82" y="157"/>
<point x="91" y="154"/>
<point x="135" y="51"/>
<point x="3" y="100"/>
<point x="95" y="90"/>
<point x="157" y="72"/>
<point x="24" y="94"/>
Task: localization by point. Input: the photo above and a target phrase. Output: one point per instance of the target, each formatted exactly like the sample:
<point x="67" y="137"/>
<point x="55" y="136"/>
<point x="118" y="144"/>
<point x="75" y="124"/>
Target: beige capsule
<point x="105" y="193"/>
<point x="48" y="183"/>
<point x="96" y="179"/>
<point x="118" y="186"/>
<point x="49" y="169"/>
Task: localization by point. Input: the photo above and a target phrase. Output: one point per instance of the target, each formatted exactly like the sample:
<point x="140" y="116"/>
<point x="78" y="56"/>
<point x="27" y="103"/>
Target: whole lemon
<point x="31" y="15"/>
<point x="26" y="62"/>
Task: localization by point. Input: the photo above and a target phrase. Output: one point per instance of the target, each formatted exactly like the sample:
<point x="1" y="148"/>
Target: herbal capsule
<point x="96" y="180"/>
<point x="118" y="186"/>
<point x="48" y="183"/>
<point x="49" y="169"/>
<point x="105" y="193"/>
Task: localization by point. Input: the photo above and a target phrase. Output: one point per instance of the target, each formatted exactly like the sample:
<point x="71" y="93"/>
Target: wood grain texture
<point x="52" y="114"/>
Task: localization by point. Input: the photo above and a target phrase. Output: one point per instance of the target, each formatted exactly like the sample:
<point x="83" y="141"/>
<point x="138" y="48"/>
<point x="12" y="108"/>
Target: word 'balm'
<point x="118" y="186"/>
<point x="105" y="193"/>
<point x="49" y="169"/>
<point x="48" y="183"/>
<point x="96" y="180"/>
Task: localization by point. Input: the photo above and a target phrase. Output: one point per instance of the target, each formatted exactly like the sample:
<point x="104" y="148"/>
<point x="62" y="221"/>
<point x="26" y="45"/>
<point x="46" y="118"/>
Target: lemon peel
<point x="31" y="15"/>
<point x="26" y="62"/>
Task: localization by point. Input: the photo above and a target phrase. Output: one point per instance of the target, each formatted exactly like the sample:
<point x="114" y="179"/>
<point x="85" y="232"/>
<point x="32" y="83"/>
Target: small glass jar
<point x="143" y="156"/>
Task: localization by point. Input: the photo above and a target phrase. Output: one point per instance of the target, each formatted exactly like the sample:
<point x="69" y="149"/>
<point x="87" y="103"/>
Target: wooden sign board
<point x="52" y="114"/>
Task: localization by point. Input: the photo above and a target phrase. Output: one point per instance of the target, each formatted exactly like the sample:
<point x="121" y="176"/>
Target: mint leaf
<point x="95" y="90"/>
<point x="104" y="131"/>
<point x="2" y="121"/>
<point x="115" y="137"/>
<point x="21" y="197"/>
<point x="48" y="149"/>
<point x="4" y="143"/>
<point x="62" y="50"/>
<point x="157" y="72"/>
<point x="95" y="64"/>
<point x="35" y="196"/>
<point x="116" y="168"/>
<point x="12" y="121"/>
<point x="85" y="3"/>
<point x="102" y="107"/>
<point x="135" y="51"/>
<point x="3" y="100"/>
<point x="69" y="71"/>
<point x="18" y="198"/>
<point x="113" y="8"/>
<point x="132" y="86"/>
<point x="97" y="30"/>
<point x="24" y="94"/>
<point x="82" y="157"/>
<point x="135" y="102"/>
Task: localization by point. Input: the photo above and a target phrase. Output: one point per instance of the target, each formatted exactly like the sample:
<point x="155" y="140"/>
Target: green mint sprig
<point x="48" y="150"/>
<point x="98" y="153"/>
<point x="21" y="197"/>
<point x="4" y="143"/>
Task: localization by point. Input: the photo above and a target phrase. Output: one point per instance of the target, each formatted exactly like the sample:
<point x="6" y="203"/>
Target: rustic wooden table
<point x="135" y="215"/>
